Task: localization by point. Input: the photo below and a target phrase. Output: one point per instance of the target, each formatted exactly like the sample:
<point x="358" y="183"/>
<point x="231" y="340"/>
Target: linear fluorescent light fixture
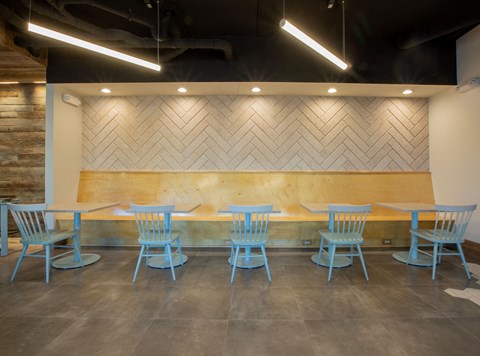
<point x="294" y="31"/>
<point x="90" y="46"/>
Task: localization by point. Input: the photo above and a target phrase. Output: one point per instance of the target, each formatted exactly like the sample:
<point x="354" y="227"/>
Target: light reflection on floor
<point x="468" y="293"/>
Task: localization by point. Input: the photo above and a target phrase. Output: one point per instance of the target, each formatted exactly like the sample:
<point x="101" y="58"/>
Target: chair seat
<point x="429" y="235"/>
<point x="342" y="239"/>
<point x="175" y="236"/>
<point x="55" y="236"/>
<point x="247" y="243"/>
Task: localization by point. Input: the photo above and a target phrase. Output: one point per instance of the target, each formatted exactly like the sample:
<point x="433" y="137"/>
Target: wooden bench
<point x="286" y="190"/>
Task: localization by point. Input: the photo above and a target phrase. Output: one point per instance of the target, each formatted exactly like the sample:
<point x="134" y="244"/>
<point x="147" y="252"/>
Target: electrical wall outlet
<point x="227" y="242"/>
<point x="307" y="242"/>
<point x="386" y="241"/>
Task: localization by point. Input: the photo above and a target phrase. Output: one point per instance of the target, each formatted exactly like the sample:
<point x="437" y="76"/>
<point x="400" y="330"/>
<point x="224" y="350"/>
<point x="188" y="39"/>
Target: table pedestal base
<point x="161" y="262"/>
<point x="421" y="259"/>
<point x="70" y="263"/>
<point x="254" y="261"/>
<point x="324" y="260"/>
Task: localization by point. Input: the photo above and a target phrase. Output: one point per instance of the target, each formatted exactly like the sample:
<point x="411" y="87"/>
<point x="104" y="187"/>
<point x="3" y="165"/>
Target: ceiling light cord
<point x="283" y="8"/>
<point x="343" y="27"/>
<point x="158" y="32"/>
<point x="30" y="12"/>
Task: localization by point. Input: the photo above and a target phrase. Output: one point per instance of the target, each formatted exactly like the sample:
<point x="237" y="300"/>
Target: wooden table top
<point x="320" y="207"/>
<point x="410" y="207"/>
<point x="183" y="208"/>
<point x="224" y="209"/>
<point x="78" y="207"/>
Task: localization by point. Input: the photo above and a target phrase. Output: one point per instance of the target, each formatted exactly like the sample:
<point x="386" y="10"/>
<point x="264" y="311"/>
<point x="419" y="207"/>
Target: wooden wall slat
<point x="22" y="143"/>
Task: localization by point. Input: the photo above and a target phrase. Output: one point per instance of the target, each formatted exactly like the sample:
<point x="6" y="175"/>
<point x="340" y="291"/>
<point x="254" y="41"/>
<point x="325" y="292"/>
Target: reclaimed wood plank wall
<point x="22" y="143"/>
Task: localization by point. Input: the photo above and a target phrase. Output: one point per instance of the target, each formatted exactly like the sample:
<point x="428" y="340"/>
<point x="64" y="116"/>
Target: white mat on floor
<point x="471" y="294"/>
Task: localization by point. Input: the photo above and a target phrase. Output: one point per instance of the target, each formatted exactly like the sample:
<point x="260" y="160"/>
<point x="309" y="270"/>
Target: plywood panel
<point x="284" y="189"/>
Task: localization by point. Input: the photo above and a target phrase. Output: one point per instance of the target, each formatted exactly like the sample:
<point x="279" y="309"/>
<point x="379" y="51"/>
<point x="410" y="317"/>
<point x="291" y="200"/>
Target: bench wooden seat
<point x="209" y="213"/>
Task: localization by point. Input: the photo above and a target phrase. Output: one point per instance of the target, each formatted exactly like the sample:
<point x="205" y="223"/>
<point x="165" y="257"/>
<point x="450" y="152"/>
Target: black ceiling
<point x="387" y="41"/>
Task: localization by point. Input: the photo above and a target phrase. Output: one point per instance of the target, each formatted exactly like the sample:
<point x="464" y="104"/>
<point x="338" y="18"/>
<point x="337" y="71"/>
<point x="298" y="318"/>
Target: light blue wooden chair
<point x="30" y="219"/>
<point x="250" y="230"/>
<point x="346" y="224"/>
<point x="155" y="230"/>
<point x="450" y="224"/>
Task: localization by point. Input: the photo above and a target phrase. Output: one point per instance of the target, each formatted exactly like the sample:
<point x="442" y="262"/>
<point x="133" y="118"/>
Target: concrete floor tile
<point x="273" y="303"/>
<point x="183" y="337"/>
<point x="352" y="337"/>
<point x="98" y="336"/>
<point x="267" y="337"/>
<point x="196" y="303"/>
<point x="26" y="335"/>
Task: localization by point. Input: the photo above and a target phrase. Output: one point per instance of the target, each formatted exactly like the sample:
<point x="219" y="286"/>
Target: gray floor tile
<point x="267" y="337"/>
<point x="446" y="304"/>
<point x="130" y="301"/>
<point x="65" y="301"/>
<point x="363" y="302"/>
<point x="352" y="337"/>
<point x="273" y="303"/>
<point x="183" y="337"/>
<point x="98" y="336"/>
<point x="18" y="295"/>
<point x="196" y="303"/>
<point x="470" y="325"/>
<point x="417" y="276"/>
<point x="258" y="278"/>
<point x="26" y="335"/>
<point x="431" y="337"/>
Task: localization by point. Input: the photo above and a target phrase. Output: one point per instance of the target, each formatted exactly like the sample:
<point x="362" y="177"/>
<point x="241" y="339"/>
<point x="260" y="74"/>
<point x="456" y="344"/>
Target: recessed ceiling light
<point x="332" y="90"/>
<point x="9" y="83"/>
<point x="407" y="92"/>
<point x="39" y="82"/>
<point x="256" y="90"/>
<point x="182" y="90"/>
<point x="106" y="90"/>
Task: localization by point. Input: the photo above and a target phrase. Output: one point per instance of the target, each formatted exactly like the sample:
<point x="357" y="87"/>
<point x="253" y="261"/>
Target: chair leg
<point x="231" y="255"/>
<point x="351" y="253"/>
<point x="22" y="255"/>
<point x="266" y="263"/>
<point x="320" y="251"/>
<point x="169" y="252"/>
<point x="462" y="256"/>
<point x="147" y="251"/>
<point x="48" y="252"/>
<point x="332" y="258"/>
<point x="138" y="263"/>
<point x="361" y="260"/>
<point x="237" y="250"/>
<point x="179" y="247"/>
<point x="440" y="248"/>
<point x="434" y="267"/>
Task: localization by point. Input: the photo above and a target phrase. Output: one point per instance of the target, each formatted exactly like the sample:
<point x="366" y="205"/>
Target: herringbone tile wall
<point x="255" y="133"/>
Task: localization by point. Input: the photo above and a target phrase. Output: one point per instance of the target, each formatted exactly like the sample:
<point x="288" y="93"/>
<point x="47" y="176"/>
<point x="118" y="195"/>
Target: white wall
<point x="455" y="136"/>
<point x="63" y="147"/>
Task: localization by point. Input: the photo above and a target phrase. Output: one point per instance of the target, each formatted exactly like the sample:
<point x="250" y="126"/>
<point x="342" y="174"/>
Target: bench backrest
<point x="216" y="189"/>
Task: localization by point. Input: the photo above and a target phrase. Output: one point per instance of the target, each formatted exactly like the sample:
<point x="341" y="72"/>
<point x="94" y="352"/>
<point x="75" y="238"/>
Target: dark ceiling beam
<point x="109" y="35"/>
<point x="130" y="16"/>
<point x="99" y="34"/>
<point x="178" y="43"/>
